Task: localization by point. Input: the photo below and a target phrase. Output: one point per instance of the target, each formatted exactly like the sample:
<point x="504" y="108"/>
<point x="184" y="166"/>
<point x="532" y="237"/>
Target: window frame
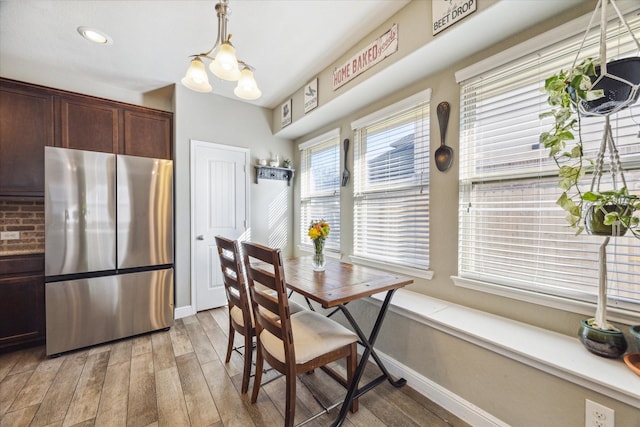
<point x="389" y="114"/>
<point x="327" y="139"/>
<point x="583" y="304"/>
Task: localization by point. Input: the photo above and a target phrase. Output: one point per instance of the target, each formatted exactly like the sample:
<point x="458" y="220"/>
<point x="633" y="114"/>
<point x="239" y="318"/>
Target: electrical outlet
<point x="10" y="235"/>
<point x="597" y="415"/>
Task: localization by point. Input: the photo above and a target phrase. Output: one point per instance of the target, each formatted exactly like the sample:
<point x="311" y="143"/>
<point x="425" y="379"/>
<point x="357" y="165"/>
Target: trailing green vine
<point x="565" y="90"/>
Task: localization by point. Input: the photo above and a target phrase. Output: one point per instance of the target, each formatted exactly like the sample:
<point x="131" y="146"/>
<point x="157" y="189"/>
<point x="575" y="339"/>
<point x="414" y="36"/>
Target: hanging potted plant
<point x="590" y="88"/>
<point x="613" y="207"/>
<point x="616" y="82"/>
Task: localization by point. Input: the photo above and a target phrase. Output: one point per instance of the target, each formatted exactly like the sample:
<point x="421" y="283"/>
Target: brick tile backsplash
<point x="27" y="217"/>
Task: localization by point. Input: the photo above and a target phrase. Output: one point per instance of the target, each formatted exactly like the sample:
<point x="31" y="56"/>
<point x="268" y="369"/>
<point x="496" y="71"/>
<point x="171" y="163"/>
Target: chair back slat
<point x="233" y="296"/>
<point x="234" y="285"/>
<point x="266" y="317"/>
<point x="232" y="275"/>
<point x="263" y="277"/>
<point x="268" y="301"/>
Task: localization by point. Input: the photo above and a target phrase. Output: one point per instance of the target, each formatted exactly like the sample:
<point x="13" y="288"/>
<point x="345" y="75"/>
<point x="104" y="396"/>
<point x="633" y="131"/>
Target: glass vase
<point x="318" y="261"/>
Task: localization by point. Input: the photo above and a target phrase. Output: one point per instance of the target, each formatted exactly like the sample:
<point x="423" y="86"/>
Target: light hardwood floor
<point x="178" y="378"/>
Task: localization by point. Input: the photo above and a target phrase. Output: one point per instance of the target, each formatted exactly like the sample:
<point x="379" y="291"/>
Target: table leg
<point x="334" y="311"/>
<point x="368" y="344"/>
<point x="308" y="303"/>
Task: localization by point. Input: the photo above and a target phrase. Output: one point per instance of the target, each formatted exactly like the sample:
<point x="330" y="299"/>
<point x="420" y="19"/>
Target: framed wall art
<point x="311" y="95"/>
<point x="446" y="13"/>
<point x="285" y="113"/>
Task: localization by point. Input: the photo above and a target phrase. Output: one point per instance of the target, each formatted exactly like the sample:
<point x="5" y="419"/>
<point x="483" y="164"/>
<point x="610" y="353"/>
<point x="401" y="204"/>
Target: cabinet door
<point x="88" y="125"/>
<point x="22" y="315"/>
<point x="147" y="134"/>
<point x="22" y="311"/>
<point x="26" y="126"/>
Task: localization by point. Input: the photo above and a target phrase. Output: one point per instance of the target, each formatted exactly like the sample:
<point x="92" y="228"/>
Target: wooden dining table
<point x="337" y="286"/>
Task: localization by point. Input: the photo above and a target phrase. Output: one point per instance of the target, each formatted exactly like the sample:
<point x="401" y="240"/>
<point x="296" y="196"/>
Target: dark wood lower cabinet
<point x="22" y="314"/>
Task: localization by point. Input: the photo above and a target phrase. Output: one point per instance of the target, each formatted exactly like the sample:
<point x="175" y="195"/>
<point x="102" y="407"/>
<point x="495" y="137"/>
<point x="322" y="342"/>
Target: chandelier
<point x="223" y="65"/>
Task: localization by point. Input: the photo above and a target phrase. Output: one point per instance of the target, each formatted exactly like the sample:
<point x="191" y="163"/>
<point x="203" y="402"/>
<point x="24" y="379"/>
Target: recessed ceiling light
<point x="95" y="36"/>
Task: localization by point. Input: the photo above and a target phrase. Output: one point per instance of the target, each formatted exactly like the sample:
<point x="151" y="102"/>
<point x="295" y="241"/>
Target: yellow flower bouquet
<point x="318" y="232"/>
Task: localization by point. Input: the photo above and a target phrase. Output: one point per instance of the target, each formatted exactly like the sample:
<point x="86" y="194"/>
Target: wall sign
<point x="285" y="113"/>
<point x="311" y="95"/>
<point x="445" y="13"/>
<point x="379" y="49"/>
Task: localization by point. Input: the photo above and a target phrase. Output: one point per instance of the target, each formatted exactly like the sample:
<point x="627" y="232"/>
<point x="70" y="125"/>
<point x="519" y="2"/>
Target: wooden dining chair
<point x="240" y="313"/>
<point x="291" y="343"/>
<point x="240" y="309"/>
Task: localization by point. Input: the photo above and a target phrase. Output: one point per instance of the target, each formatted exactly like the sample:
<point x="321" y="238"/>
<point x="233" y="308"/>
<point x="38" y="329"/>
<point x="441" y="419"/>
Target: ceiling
<point x="286" y="41"/>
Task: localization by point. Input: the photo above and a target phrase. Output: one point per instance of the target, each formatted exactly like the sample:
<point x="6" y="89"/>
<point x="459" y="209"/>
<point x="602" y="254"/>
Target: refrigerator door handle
<point x="200" y="237"/>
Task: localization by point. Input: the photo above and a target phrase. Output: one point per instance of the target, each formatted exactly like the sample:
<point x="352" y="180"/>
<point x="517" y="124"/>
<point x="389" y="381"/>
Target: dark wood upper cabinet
<point x="26" y="126"/>
<point x="87" y="124"/>
<point x="147" y="134"/>
<point x="33" y="116"/>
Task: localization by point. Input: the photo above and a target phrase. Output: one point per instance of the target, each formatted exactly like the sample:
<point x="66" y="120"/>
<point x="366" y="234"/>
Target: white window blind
<point x="320" y="192"/>
<point x="391" y="184"/>
<point x="511" y="232"/>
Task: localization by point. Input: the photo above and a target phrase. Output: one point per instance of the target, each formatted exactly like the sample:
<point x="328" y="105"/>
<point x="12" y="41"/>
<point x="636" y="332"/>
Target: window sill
<point x="614" y="314"/>
<point x="550" y="352"/>
<point x="408" y="271"/>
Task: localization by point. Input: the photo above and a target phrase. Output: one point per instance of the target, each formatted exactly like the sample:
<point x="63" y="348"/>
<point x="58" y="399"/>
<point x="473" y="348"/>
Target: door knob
<point x="200" y="237"/>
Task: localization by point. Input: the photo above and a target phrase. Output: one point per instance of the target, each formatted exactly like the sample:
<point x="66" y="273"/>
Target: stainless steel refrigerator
<point x="108" y="247"/>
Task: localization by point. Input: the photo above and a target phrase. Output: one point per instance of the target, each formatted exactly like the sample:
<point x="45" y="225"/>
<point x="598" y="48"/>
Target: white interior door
<point x="220" y="206"/>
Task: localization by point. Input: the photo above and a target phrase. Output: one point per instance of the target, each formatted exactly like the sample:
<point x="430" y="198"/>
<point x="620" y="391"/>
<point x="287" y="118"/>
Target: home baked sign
<point x="379" y="49"/>
<point x="445" y="13"/>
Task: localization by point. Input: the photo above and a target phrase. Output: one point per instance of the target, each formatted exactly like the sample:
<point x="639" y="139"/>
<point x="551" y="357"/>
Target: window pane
<point x="327" y="208"/>
<point x="320" y="195"/>
<point x="393" y="227"/>
<point x="391" y="184"/>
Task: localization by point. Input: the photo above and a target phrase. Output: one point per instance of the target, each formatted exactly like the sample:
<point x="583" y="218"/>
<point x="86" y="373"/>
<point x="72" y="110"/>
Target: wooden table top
<point x="340" y="282"/>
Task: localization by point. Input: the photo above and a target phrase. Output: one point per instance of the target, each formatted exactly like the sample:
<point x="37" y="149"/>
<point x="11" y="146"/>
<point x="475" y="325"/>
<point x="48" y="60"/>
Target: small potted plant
<point x="611" y="213"/>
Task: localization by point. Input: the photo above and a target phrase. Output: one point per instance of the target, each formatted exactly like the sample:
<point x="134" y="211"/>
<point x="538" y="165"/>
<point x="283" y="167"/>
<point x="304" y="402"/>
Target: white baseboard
<point x="180" y="312"/>
<point x="453" y="403"/>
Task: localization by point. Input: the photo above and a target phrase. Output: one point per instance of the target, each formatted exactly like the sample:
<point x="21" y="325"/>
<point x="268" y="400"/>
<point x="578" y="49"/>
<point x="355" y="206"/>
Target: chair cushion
<point x="294" y="307"/>
<point x="313" y="336"/>
<point x="236" y="312"/>
<point x="236" y="315"/>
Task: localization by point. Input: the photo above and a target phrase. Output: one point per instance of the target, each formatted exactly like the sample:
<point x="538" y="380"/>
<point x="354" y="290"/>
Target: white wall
<point x="513" y="392"/>
<point x="220" y="120"/>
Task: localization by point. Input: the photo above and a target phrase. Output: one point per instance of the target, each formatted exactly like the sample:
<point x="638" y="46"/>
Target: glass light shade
<point x="225" y="64"/>
<point x="196" y="77"/>
<point x="247" y="87"/>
